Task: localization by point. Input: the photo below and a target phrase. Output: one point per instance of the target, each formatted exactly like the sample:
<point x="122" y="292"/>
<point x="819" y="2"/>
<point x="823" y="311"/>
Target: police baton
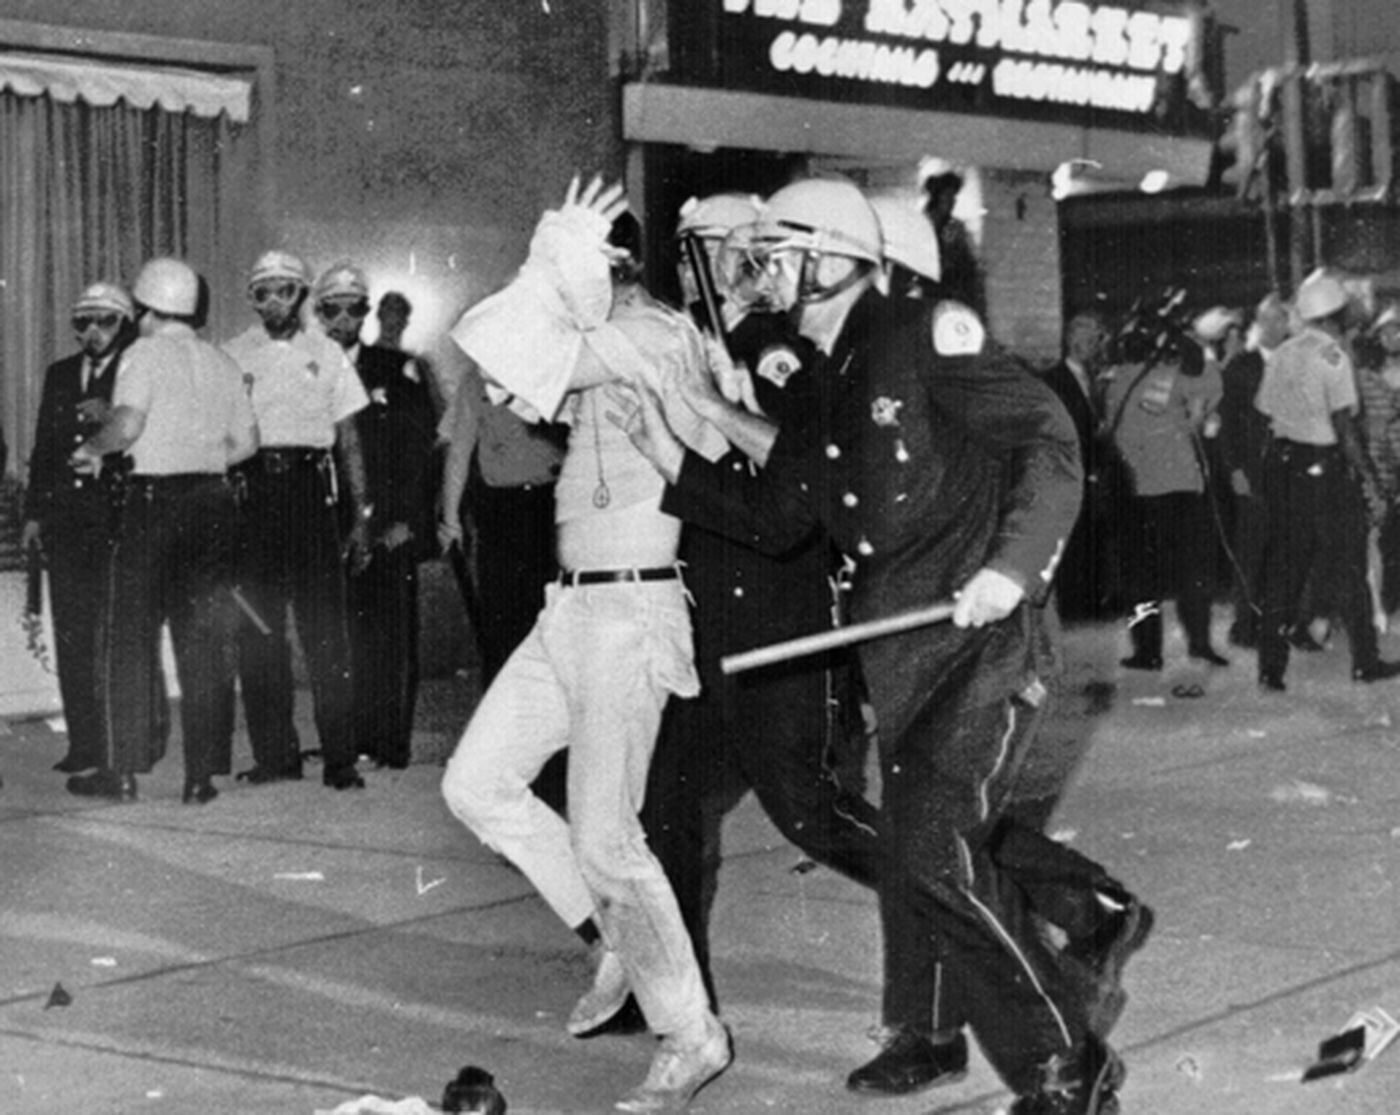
<point x="836" y="637"/>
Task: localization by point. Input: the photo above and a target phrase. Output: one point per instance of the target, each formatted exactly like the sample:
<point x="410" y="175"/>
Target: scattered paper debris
<point x="58" y="997"/>
<point x="1365" y="1036"/>
<point x="1238" y="845"/>
<point x="1304" y="793"/>
<point x="1190" y="1068"/>
<point x="1256" y="733"/>
<point x="302" y="876"/>
<point x="424" y="886"/>
<point x="1064" y="835"/>
<point x="104" y="961"/>
<point x="56" y="724"/>
<point x="377" y="1105"/>
<point x="1151" y="702"/>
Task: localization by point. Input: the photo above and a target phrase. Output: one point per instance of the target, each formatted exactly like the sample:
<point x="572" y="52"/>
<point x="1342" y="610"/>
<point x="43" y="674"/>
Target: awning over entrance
<point x="68" y="79"/>
<point x="709" y="119"/>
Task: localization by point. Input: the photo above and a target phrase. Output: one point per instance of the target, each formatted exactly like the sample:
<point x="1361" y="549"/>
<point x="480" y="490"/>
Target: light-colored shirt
<point x="1309" y="379"/>
<point x="300" y="387"/>
<point x="197" y="414"/>
<point x="1155" y="417"/>
<point x="510" y="451"/>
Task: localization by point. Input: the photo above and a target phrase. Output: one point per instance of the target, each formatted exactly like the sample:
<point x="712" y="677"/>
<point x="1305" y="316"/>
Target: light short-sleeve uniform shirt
<point x="300" y="387"/>
<point x="191" y="394"/>
<point x="1308" y="380"/>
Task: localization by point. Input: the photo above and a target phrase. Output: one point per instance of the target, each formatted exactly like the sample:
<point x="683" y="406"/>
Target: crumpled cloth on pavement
<point x="376" y="1105"/>
<point x="529" y="337"/>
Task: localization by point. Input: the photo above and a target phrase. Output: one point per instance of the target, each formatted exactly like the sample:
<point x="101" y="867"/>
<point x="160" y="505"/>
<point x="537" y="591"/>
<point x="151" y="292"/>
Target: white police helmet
<point x="168" y="286"/>
<point x="104" y="297"/>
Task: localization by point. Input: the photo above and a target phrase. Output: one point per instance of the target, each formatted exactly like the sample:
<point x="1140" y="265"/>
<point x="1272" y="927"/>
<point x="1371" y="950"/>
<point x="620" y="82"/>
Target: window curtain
<point x="89" y="193"/>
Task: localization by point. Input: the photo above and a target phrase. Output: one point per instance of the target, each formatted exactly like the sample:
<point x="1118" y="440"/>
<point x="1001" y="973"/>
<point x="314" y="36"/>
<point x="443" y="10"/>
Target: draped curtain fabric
<point x="90" y="193"/>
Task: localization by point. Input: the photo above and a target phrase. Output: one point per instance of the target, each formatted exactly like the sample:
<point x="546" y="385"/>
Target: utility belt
<point x="280" y="459"/>
<point x="1302" y="454"/>
<point x="290" y="464"/>
<point x="152" y="486"/>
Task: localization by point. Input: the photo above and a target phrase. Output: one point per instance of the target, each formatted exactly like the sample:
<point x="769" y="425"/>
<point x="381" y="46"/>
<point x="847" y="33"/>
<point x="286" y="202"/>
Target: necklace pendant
<point x="601" y="496"/>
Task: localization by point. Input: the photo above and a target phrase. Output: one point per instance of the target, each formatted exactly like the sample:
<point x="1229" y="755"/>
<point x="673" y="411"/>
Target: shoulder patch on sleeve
<point x="777" y="365"/>
<point x="1332" y="353"/>
<point x="957" y="331"/>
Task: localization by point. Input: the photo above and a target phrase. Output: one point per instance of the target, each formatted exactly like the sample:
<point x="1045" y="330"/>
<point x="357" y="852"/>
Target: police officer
<point x="1318" y="485"/>
<point x="305" y="394"/>
<point x="180" y="411"/>
<point x="72" y="516"/>
<point x="947" y="472"/>
<point x="773" y="732"/>
<point x="396" y="438"/>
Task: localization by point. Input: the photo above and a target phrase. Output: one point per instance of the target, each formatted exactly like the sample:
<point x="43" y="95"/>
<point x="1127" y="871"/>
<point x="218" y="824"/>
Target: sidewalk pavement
<point x="287" y="948"/>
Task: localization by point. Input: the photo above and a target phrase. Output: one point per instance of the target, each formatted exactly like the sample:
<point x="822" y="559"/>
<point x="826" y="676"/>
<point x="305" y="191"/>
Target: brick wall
<point x="1021" y="263"/>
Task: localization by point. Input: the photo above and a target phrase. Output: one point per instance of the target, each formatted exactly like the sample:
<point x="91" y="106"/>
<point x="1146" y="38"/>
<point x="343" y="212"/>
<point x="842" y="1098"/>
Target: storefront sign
<point x="1003" y="57"/>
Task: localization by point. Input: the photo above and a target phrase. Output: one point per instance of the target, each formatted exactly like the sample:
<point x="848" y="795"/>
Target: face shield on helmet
<point x="816" y="239"/>
<point x="701" y="227"/>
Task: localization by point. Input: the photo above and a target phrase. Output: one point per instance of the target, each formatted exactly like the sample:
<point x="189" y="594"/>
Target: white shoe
<point x="679" y="1071"/>
<point x="604" y="999"/>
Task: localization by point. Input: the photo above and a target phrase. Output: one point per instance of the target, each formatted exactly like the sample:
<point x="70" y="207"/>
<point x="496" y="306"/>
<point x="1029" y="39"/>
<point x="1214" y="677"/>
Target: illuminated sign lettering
<point x="979" y="52"/>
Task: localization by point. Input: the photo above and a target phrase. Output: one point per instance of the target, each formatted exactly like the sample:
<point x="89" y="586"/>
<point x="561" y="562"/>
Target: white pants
<point x="593" y="675"/>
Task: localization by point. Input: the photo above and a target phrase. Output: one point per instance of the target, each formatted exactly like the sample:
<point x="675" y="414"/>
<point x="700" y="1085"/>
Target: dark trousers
<point x="173" y="561"/>
<point x="291" y="558"/>
<point x="770" y="731"/>
<point x="1315" y="533"/>
<point x="384" y="653"/>
<point x="965" y="891"/>
<point x="514" y="561"/>
<point x="1170" y="554"/>
<point x="77" y="543"/>
<point x="504" y="588"/>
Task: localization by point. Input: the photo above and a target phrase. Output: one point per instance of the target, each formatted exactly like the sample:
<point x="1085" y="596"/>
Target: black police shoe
<point x="1141" y="662"/>
<point x="343" y="778"/>
<point x="1376" y="671"/>
<point x="261" y="776"/>
<point x="911" y="1062"/>
<point x="1208" y="655"/>
<point x="74" y="764"/>
<point x="1085" y="1083"/>
<point x="199" y="792"/>
<point x="1272" y="683"/>
<point x="103" y="784"/>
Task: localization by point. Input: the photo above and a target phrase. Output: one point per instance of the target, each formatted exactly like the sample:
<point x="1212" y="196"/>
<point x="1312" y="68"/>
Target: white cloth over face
<point x="555" y="320"/>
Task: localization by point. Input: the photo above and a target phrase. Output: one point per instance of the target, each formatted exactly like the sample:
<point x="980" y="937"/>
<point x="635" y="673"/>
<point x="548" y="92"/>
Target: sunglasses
<point x="274" y="292"/>
<point x="329" y="311"/>
<point x="83" y="322"/>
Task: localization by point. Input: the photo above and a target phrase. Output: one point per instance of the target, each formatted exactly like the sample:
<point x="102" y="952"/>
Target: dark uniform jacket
<point x="1244" y="429"/>
<point x="931" y="468"/>
<point x="747" y="598"/>
<point x="53" y="487"/>
<point x="397" y="433"/>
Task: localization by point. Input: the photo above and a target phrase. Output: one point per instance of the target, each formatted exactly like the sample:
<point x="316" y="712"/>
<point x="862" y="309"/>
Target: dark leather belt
<point x="172" y="479"/>
<point x="280" y="459"/>
<point x="170" y="485"/>
<point x="569" y="577"/>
